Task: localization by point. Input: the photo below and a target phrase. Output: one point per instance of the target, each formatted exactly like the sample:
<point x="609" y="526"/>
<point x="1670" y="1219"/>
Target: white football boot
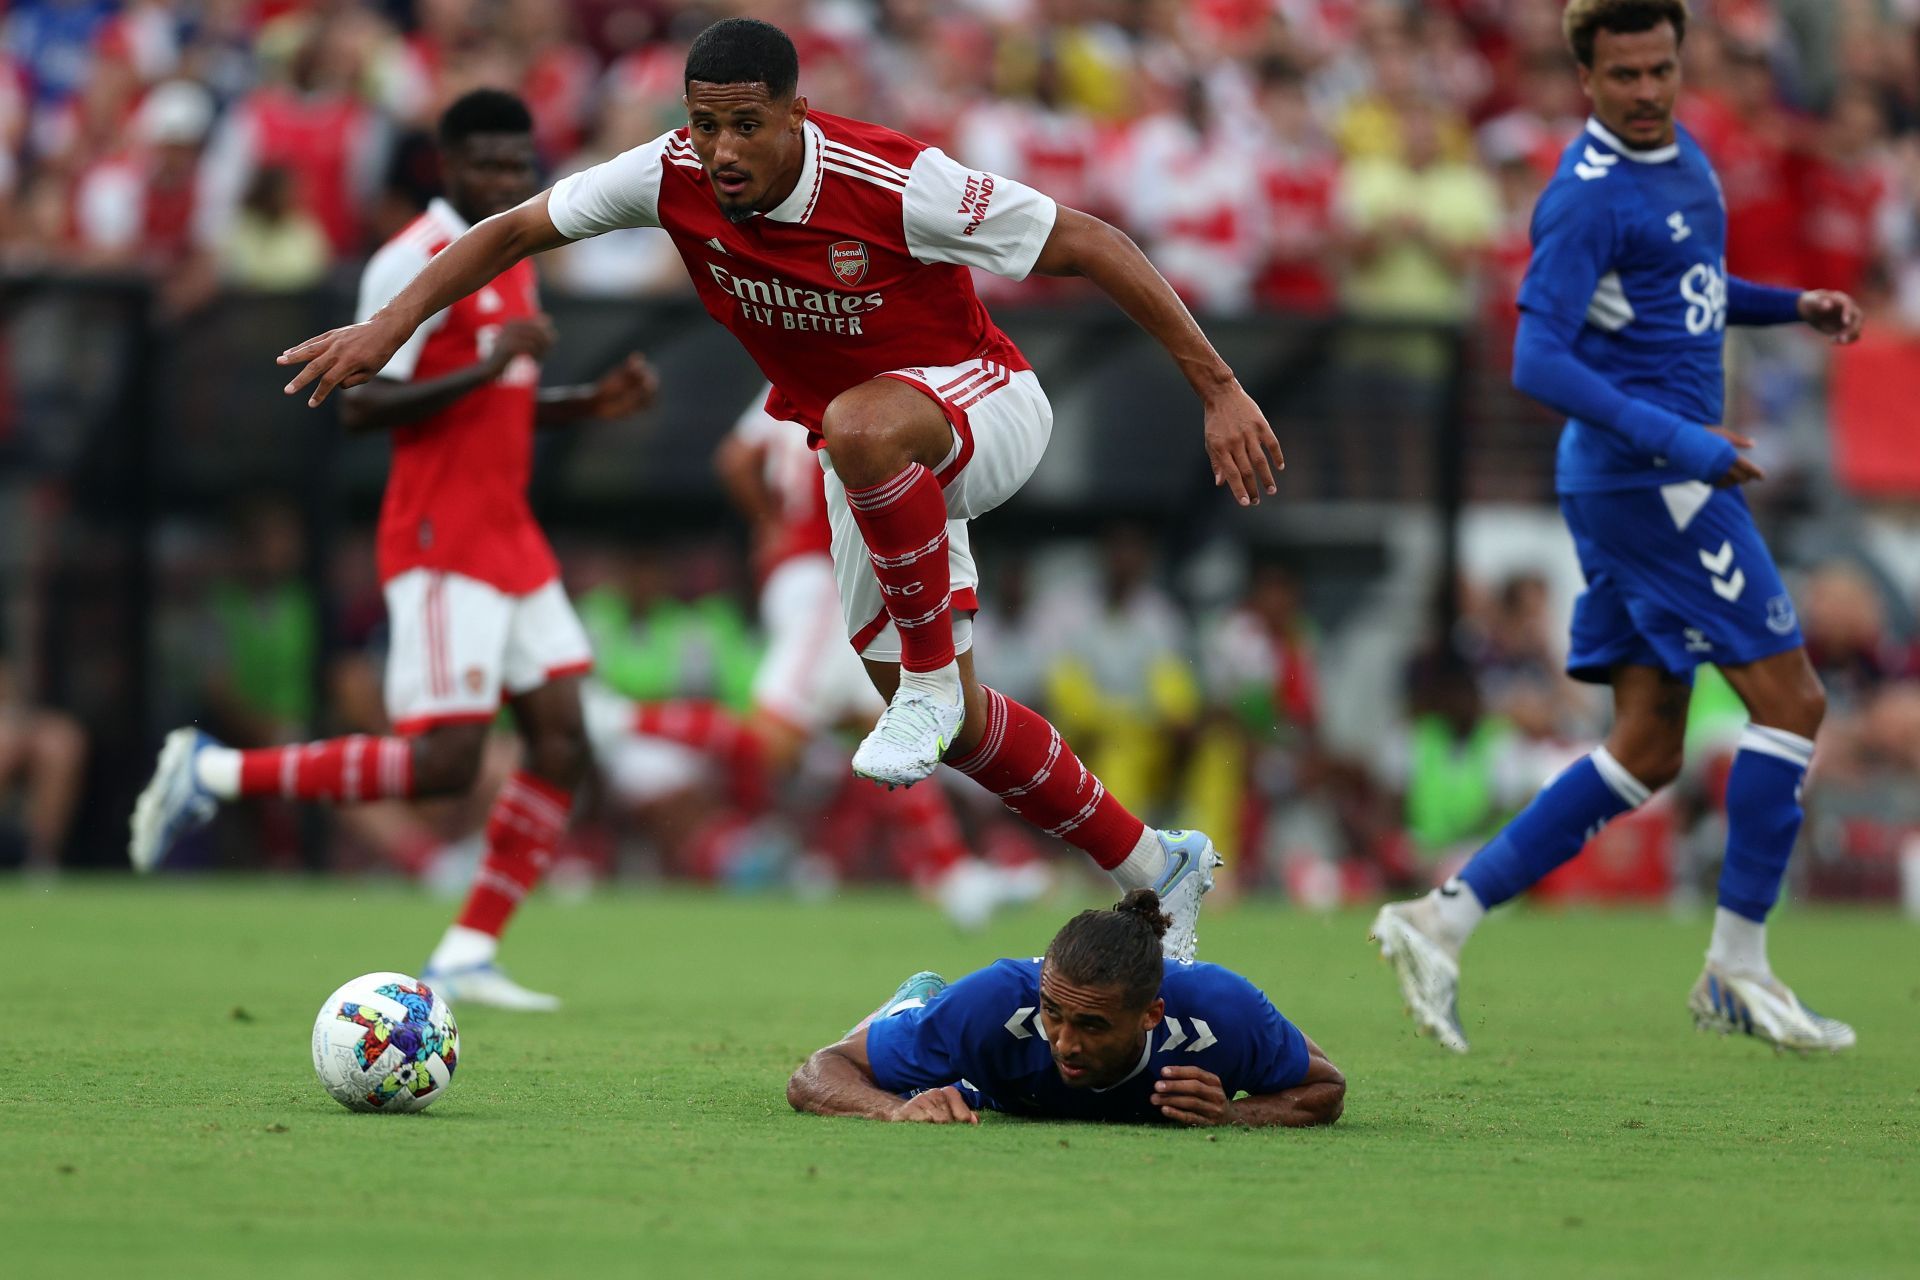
<point x="485" y="984"/>
<point x="1427" y="967"/>
<point x="1187" y="879"/>
<point x="173" y="802"/>
<point x="910" y="737"/>
<point x="1764" y="1008"/>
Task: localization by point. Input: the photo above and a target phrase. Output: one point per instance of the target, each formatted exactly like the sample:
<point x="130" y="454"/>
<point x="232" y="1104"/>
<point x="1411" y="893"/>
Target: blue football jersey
<point x="983" y="1032"/>
<point x="1629" y="266"/>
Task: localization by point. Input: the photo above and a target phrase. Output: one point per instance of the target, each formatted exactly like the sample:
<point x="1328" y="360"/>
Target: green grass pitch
<point x="159" y="1116"/>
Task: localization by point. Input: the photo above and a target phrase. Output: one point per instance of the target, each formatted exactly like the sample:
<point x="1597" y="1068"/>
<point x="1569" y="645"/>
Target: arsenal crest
<point x="848" y="258"/>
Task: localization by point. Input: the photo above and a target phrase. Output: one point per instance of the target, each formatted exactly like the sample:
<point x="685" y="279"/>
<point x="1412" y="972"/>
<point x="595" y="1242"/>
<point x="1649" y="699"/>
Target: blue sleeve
<point x="1265" y="1052"/>
<point x="941" y="1042"/>
<point x="1573" y="243"/>
<point x="1756" y="304"/>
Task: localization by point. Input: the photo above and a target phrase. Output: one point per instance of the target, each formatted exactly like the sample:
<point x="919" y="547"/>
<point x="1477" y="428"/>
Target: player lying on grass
<point x="1102" y="1027"/>
<point x="838" y="253"/>
<point x="1624" y="312"/>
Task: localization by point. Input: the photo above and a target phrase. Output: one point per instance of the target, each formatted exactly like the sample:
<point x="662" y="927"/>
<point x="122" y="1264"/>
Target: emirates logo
<point x="848" y="258"/>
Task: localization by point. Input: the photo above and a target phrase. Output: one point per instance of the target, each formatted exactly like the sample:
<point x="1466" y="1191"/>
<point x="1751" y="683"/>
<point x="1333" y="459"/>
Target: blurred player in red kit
<point x="837" y="252"/>
<point x="473" y="592"/>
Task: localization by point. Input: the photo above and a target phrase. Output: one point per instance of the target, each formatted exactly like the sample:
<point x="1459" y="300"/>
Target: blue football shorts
<point x="1676" y="576"/>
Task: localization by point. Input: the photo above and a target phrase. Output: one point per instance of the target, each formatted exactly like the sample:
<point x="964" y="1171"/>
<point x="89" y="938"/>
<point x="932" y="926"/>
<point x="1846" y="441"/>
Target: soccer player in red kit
<point x="473" y="593"/>
<point x="837" y="252"/>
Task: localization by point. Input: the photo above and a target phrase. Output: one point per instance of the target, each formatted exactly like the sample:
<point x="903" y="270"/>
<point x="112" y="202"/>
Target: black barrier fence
<point x="119" y="429"/>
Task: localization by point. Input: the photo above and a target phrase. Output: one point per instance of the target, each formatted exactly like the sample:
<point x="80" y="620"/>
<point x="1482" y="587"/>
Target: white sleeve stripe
<point x="685" y="164"/>
<point x="878" y="181"/>
<point x="841" y="151"/>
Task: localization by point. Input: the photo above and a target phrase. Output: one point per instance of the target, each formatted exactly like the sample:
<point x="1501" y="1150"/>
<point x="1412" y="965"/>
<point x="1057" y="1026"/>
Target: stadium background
<point x="1348" y="686"/>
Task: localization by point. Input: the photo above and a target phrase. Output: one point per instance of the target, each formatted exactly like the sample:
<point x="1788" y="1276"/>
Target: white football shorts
<point x="1001" y="424"/>
<point x="459" y="646"/>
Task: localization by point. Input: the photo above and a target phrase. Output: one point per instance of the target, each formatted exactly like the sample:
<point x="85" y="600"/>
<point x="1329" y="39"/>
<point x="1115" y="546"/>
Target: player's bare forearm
<point x="626" y="388"/>
<point x="1083" y="245"/>
<point x="349" y="356"/>
<point x="838" y="1081"/>
<point x="1195" y="1096"/>
<point x="380" y="404"/>
<point x="829" y="1084"/>
<point x="1240" y="445"/>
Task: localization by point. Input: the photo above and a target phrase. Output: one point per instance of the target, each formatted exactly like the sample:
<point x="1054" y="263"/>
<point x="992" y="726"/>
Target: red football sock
<point x="712" y="730"/>
<point x="525" y="827"/>
<point x="904" y="524"/>
<point x="1024" y="760"/>
<point x="341" y="770"/>
<point x="928" y="833"/>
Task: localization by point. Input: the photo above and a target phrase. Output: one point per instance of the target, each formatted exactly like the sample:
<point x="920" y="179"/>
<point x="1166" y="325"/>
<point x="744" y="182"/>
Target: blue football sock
<point x="1763" y="818"/>
<point x="1555" y="826"/>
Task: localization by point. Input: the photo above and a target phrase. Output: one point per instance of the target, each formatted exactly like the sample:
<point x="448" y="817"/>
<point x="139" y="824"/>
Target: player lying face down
<point x="1101" y="1028"/>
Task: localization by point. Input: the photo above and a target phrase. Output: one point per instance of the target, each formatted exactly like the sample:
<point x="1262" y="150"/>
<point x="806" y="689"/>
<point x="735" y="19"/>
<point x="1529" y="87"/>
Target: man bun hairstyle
<point x="483" y="111"/>
<point x="1585" y="19"/>
<point x="745" y="51"/>
<point x="1115" y="947"/>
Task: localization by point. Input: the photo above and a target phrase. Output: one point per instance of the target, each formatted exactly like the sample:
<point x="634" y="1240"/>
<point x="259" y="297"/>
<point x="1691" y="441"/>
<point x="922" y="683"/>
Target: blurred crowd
<point x="1372" y="155"/>
<point x="1216" y="713"/>
<point x="1373" y="158"/>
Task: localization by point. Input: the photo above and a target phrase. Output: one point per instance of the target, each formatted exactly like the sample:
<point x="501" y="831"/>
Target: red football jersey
<point x="456" y="496"/>
<point x="861" y="270"/>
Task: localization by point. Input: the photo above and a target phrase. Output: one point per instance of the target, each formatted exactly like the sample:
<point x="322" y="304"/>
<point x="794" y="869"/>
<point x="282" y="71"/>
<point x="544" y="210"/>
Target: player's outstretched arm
<point x="626" y="388"/>
<point x="380" y="404"/>
<point x="350" y="356"/>
<point x="1242" y="447"/>
<point x="838" y="1081"/>
<point x="1196" y="1096"/>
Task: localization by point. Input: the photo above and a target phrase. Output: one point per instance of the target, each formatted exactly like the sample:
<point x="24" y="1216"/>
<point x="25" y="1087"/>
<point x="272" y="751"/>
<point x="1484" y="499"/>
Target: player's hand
<point x="935" y="1106"/>
<point x="343" y="357"/>
<point x="1239" y="443"/>
<point x="626" y="388"/>
<point x="1833" y="313"/>
<point x="1743" y="470"/>
<point x="527" y="336"/>
<point x="1193" y="1095"/>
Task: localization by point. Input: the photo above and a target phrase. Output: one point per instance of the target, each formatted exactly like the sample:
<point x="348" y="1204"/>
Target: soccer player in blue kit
<point x="1623" y="312"/>
<point x="1103" y="1027"/>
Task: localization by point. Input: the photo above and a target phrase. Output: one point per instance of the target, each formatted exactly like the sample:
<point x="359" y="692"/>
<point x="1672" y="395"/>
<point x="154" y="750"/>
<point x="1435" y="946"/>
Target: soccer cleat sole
<point x="1396" y="954"/>
<point x="147" y="847"/>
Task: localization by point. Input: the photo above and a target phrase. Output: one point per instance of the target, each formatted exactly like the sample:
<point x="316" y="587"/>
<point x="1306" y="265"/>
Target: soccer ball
<point x="385" y="1042"/>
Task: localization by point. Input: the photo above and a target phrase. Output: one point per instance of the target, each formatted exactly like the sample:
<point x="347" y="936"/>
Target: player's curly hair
<point x="745" y="51"/>
<point x="1584" y="19"/>
<point x="1115" y="947"/>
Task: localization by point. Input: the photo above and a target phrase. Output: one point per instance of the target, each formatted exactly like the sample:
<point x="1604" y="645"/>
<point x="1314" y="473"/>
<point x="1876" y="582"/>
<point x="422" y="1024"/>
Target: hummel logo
<point x="714" y="244"/>
<point x="1678" y="221"/>
<point x="1017" y="1025"/>
<point x="1597" y="164"/>
<point x="1728" y="588"/>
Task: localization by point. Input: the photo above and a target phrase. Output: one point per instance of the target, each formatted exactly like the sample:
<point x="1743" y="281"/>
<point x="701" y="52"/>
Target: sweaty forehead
<point x="1073" y="999"/>
<point x="728" y="99"/>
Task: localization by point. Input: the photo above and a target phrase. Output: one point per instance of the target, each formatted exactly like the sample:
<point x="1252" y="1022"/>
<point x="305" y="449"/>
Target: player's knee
<point x="560" y="756"/>
<point x="1810" y="705"/>
<point x="857" y="426"/>
<point x="446" y="761"/>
